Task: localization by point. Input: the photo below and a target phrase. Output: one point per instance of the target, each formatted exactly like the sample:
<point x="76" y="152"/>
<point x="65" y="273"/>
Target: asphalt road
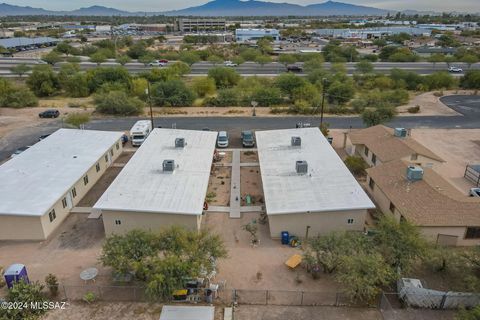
<point x="468" y="106"/>
<point x="247" y="68"/>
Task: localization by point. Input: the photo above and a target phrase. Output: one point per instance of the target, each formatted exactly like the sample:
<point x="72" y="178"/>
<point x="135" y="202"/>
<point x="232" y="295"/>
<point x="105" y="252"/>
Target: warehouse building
<point x="308" y="190"/>
<point x="246" y="35"/>
<point x="40" y="186"/>
<point x="165" y="183"/>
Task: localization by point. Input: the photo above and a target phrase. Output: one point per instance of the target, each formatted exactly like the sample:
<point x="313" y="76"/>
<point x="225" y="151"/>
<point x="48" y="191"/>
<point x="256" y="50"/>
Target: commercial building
<point x="200" y="25"/>
<point x="163" y="184"/>
<point x="307" y="188"/>
<point x="372" y="33"/>
<point x="442" y="213"/>
<point x="39" y="186"/>
<point x="245" y="35"/>
<point x="380" y="144"/>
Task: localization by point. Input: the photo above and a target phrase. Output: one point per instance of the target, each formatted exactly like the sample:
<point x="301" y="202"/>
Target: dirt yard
<point x="248" y="156"/>
<point x="226" y="156"/>
<point x="124" y="157"/>
<point x="73" y="247"/>
<point x="262" y="267"/>
<point x="219" y="186"/>
<point x="458" y="147"/>
<point x="251" y="184"/>
<point x="99" y="188"/>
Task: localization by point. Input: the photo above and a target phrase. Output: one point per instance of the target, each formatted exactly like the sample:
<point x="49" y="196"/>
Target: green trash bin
<point x="248" y="199"/>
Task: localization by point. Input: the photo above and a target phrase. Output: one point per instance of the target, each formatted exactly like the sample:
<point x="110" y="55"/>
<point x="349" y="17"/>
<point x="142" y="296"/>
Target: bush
<point x="471" y="80"/>
<point x="76" y="119"/>
<point x="203" y="86"/>
<point x="43" y="81"/>
<point x="52" y="283"/>
<point x="89" y="297"/>
<point x="225" y="98"/>
<point x="377" y="116"/>
<point x="288" y="83"/>
<point x="340" y="92"/>
<point x="356" y="165"/>
<point x="172" y="93"/>
<point x="300" y="107"/>
<point x="415" y="109"/>
<point x="224" y="77"/>
<point x="76" y="85"/>
<point x="24" y="293"/>
<point x="267" y="97"/>
<point x="439" y="80"/>
<point x="118" y="103"/>
<point x="99" y="76"/>
<point x="18" y="97"/>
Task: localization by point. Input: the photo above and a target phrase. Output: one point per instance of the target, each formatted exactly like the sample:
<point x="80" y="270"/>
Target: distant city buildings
<point x="245" y="35"/>
<point x="201" y="25"/>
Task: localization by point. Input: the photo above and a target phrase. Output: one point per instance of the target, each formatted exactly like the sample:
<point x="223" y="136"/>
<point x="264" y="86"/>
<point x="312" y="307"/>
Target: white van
<point x="140" y="131"/>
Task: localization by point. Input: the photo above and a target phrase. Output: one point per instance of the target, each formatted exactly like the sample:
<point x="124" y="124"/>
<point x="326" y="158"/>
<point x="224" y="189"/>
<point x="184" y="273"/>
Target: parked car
<point x="455" y="69"/>
<point x="18" y="151"/>
<point x="230" y="64"/>
<point x="222" y="139"/>
<point x="475" y="192"/>
<point x="51" y="113"/>
<point x="294" y="68"/>
<point x="248" y="139"/>
<point x="43" y="136"/>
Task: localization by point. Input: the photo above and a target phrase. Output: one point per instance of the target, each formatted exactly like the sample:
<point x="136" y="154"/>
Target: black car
<point x="294" y="68"/>
<point x="51" y="113"/>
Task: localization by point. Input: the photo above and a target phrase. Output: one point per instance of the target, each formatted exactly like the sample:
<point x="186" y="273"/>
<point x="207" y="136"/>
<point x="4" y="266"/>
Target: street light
<point x="254" y="104"/>
<point x="147" y="92"/>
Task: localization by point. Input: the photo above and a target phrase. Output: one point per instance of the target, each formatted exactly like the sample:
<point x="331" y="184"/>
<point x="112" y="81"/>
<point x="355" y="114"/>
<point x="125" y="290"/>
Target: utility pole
<point x="323" y="102"/>
<point x="150" y="103"/>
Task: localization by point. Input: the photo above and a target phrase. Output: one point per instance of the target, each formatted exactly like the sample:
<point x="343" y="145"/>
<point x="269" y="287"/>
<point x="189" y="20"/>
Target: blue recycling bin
<point x="15" y="273"/>
<point x="285" y="237"/>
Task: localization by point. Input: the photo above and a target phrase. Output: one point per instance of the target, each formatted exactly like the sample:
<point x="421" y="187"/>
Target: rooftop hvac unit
<point x="400" y="132"/>
<point x="414" y="173"/>
<point x="296" y="141"/>
<point x="301" y="167"/>
<point x="168" y="165"/>
<point x="179" y="142"/>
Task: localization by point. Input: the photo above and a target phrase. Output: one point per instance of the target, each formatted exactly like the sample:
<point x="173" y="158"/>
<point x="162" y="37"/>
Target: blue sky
<point x="162" y="5"/>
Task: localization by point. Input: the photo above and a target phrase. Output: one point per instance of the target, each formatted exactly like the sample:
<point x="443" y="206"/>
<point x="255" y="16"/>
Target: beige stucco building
<point x="308" y="190"/>
<point x="152" y="194"/>
<point x="40" y="186"/>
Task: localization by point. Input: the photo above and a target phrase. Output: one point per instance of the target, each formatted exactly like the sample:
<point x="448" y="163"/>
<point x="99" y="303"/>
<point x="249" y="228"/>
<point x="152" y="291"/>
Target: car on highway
<point x="475" y="192"/>
<point x="50" y="113"/>
<point x="230" y="64"/>
<point x="455" y="69"/>
<point x="18" y="151"/>
<point x="294" y="68"/>
<point x="158" y="63"/>
<point x="222" y="139"/>
<point x="248" y="139"/>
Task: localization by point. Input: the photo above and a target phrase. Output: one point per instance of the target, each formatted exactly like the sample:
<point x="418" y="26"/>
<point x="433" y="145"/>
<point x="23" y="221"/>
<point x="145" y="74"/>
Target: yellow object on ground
<point x="294" y="261"/>
<point x="181" y="292"/>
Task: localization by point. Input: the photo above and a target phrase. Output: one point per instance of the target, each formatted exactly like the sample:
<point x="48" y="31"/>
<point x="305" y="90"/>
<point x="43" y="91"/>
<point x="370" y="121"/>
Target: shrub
<point x="98" y="76"/>
<point x="18" y="97"/>
<point x="24" y="293"/>
<point x="356" y="165"/>
<point x="288" y="83"/>
<point x="43" y="81"/>
<point x="76" y="86"/>
<point x="89" y="297"/>
<point x="118" y="103"/>
<point x="224" y="77"/>
<point x="203" y="86"/>
<point x="340" y="92"/>
<point x="415" y="109"/>
<point x="267" y="97"/>
<point x="373" y="117"/>
<point x="172" y="93"/>
<point x="471" y="80"/>
<point x="52" y="283"/>
<point x="76" y="119"/>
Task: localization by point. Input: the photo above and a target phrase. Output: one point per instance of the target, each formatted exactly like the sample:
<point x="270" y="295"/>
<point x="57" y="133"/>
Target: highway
<point x="247" y="68"/>
<point x="468" y="106"/>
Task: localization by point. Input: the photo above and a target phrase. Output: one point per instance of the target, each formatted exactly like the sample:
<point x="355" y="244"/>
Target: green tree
<point x="137" y="50"/>
<point x="17" y="97"/>
<point x="249" y="54"/>
<point x="470" y="59"/>
<point x="98" y="58"/>
<point x="51" y="58"/>
<point x="315" y="63"/>
<point x="373" y="117"/>
<point x="288" y="83"/>
<point x="364" y="67"/>
<point x="435" y="58"/>
<point x="356" y="165"/>
<point x="77" y="119"/>
<point x="439" y="80"/>
<point x="224" y="77"/>
<point x="65" y="48"/>
<point x="340" y="92"/>
<point x="172" y="93"/>
<point x="76" y="85"/>
<point x="123" y="59"/>
<point x="471" y="80"/>
<point x="214" y="59"/>
<point x="265" y="45"/>
<point x="267" y="96"/>
<point x="73" y="59"/>
<point x="189" y="57"/>
<point x="179" y="68"/>
<point x="22" y="294"/>
<point x="101" y="75"/>
<point x="118" y="103"/>
<point x="263" y="60"/>
<point x="20" y="69"/>
<point x="43" y="81"/>
<point x="287" y="59"/>
<point x="364" y="275"/>
<point x="204" y="86"/>
<point x="146" y="59"/>
<point x="139" y="87"/>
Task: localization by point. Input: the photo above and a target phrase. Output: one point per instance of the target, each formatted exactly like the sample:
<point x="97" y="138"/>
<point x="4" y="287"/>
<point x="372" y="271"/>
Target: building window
<point x="350" y="221"/>
<point x="52" y="215"/>
<point x="392" y="207"/>
<point x="472" y="233"/>
<point x="366" y="151"/>
<point x="117" y="146"/>
<point x="74" y="192"/>
<point x="64" y="202"/>
<point x="371" y="184"/>
<point x="106" y="158"/>
<point x="118" y="222"/>
<point x="97" y="166"/>
<point x="85" y="180"/>
<point x="374" y="158"/>
<point x="111" y="152"/>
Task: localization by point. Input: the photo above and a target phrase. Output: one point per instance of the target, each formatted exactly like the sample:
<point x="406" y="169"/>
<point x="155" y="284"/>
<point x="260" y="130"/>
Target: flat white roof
<point x="187" y="313"/>
<point x="142" y="186"/>
<point x="328" y="185"/>
<point x="33" y="181"/>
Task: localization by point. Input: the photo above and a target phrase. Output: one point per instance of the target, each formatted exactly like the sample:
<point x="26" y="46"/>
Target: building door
<point x="109" y="157"/>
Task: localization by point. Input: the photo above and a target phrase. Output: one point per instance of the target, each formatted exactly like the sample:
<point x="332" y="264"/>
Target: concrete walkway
<point x="250" y="208"/>
<point x="118" y="165"/>
<point x="81" y="210"/>
<point x="249" y="164"/>
<point x="235" y="185"/>
<point x="218" y="209"/>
